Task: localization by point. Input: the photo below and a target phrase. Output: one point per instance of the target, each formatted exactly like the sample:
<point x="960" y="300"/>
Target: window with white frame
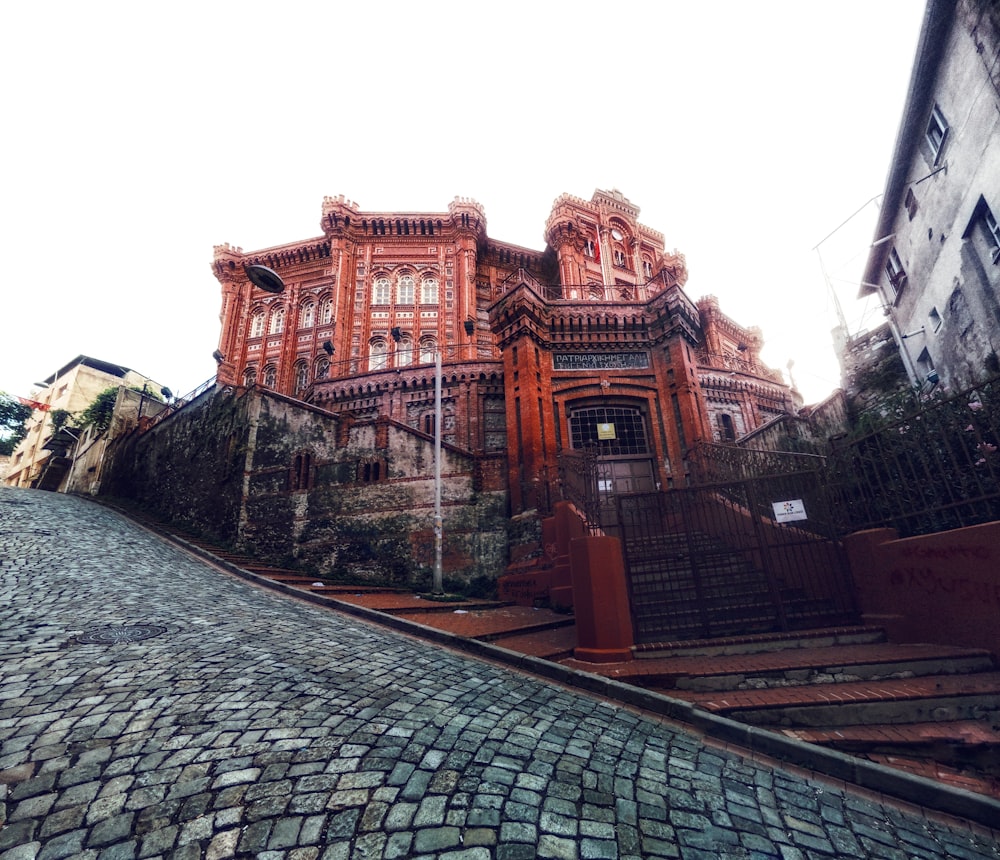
<point x="990" y="222"/>
<point x="301" y="377"/>
<point x="404" y="290"/>
<point x="322" y="368"/>
<point x="378" y="353"/>
<point x="277" y="321"/>
<point x="250" y="376"/>
<point x="429" y="291"/>
<point x="937" y="132"/>
<point x="270" y="376"/>
<point x="326" y="312"/>
<point x="428" y="346"/>
<point x="307" y="315"/>
<point x="895" y="272"/>
<point x="257" y="324"/>
<point x="404" y="352"/>
<point x="381" y="291"/>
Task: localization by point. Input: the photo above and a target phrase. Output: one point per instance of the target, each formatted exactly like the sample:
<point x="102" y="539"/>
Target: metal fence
<point x="934" y="466"/>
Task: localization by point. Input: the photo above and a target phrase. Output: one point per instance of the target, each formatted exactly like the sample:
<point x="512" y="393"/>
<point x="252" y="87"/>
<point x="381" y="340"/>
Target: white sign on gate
<point x="787" y="512"/>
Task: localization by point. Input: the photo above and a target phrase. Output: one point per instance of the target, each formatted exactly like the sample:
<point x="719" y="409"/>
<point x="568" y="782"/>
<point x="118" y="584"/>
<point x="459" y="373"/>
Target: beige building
<point x="43" y="459"/>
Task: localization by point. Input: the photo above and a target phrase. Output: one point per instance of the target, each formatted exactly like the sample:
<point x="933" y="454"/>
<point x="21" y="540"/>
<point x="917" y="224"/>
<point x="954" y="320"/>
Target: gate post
<point x="600" y="600"/>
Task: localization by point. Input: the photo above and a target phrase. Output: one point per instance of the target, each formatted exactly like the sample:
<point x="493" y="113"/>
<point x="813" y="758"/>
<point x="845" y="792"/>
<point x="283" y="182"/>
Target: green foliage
<point x="98" y="414"/>
<point x="13" y="415"/>
<point x="59" y="418"/>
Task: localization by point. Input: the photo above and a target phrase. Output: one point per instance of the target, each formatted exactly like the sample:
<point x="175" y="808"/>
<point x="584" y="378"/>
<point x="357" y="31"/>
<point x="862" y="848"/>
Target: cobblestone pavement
<point x="256" y="725"/>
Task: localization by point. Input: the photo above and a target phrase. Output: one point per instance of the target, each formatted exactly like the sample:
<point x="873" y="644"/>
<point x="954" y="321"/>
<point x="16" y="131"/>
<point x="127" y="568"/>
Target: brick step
<point x="801" y="666"/>
<point x="762" y="643"/>
<point x="931" y="698"/>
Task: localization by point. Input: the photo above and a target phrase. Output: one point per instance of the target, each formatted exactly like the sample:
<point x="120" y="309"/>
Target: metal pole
<point x="438" y="583"/>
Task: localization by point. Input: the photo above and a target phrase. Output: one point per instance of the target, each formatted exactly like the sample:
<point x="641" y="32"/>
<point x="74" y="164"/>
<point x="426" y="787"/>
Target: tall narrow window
<point x="322" y="368"/>
<point x="307" y="315"/>
<point x="895" y="272"/>
<point x="936" y="134"/>
<point x="380" y="292"/>
<point x="326" y="312"/>
<point x="429" y="291"/>
<point x="301" y="377"/>
<point x="270" y="376"/>
<point x="377" y="354"/>
<point x="250" y="376"/>
<point x="428" y="346"/>
<point x="404" y="352"/>
<point x="993" y="233"/>
<point x="277" y="321"/>
<point x="404" y="291"/>
<point x="257" y="324"/>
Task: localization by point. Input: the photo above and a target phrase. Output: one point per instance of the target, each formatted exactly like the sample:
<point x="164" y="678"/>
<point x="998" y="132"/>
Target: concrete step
<point x="930" y="698"/>
<point x="761" y="643"/>
<point x="804" y="666"/>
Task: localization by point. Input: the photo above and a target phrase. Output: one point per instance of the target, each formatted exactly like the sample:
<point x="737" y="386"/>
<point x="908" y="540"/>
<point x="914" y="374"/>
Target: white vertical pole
<point x="438" y="582"/>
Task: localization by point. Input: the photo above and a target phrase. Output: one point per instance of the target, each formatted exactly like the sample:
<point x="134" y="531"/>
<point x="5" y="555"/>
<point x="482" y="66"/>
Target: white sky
<point x="140" y="135"/>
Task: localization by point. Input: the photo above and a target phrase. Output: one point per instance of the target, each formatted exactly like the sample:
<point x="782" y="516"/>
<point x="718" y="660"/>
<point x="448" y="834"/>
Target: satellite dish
<point x="265" y="278"/>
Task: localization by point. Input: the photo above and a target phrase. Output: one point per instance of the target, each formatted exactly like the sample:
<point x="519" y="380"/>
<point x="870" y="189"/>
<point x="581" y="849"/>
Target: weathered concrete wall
<point x="297" y="485"/>
<point x="189" y="468"/>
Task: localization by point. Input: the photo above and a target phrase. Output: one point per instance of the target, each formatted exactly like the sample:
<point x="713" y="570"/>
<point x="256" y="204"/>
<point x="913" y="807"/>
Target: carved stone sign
<point x="600" y="360"/>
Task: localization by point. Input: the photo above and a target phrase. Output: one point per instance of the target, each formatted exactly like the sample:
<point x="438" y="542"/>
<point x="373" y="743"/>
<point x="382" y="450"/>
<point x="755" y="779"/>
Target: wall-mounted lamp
<point x="218" y="356"/>
<point x="167" y="393"/>
<point x="470" y="327"/>
<point x="397" y="333"/>
<point x="327" y="347"/>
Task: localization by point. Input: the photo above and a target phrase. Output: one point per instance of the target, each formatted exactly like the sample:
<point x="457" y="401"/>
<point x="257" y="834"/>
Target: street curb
<point x="864" y="774"/>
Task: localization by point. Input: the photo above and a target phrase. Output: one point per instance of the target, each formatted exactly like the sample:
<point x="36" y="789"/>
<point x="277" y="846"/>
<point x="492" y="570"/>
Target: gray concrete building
<point x="935" y="256"/>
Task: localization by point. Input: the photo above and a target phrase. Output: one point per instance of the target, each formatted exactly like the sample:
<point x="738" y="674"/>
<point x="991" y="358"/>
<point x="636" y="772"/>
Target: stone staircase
<point x="930" y="709"/>
<point x="689" y="586"/>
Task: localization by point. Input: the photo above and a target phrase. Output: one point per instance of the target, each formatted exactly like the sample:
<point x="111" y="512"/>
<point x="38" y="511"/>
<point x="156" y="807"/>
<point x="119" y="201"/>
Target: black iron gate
<point x="734" y="558"/>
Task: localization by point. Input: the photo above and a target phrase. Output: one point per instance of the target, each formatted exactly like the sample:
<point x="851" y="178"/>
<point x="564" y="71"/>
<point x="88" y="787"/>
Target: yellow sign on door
<point x="606" y="431"/>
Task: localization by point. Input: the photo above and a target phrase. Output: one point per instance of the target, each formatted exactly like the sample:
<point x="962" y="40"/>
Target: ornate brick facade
<point x="590" y="343"/>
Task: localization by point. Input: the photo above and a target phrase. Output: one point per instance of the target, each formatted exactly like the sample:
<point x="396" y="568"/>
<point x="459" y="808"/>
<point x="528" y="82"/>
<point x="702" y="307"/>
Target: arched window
<point x="619" y="257"/>
<point x="727" y="433"/>
<point x="257" y="324"/>
<point x="404" y="352"/>
<point x="378" y="355"/>
<point x="301" y="377"/>
<point x="428" y="346"/>
<point x="429" y="291"/>
<point x="307" y="315"/>
<point x="404" y="291"/>
<point x="250" y="376"/>
<point x="326" y="312"/>
<point x="380" y="291"/>
<point x="322" y="368"/>
<point x="595" y="292"/>
<point x="277" y="321"/>
<point x="647" y="269"/>
<point x="270" y="376"/>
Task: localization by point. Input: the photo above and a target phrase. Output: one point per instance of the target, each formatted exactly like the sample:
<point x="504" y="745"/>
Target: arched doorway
<point x="619" y="435"/>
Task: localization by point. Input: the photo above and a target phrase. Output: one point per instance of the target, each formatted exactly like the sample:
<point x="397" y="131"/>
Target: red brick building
<point x="589" y="343"/>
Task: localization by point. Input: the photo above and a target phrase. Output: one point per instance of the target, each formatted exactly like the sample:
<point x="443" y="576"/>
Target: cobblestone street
<point x="250" y="724"/>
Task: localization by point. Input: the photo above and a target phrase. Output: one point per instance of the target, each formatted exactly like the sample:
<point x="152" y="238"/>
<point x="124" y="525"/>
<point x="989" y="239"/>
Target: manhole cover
<point x="118" y="634"/>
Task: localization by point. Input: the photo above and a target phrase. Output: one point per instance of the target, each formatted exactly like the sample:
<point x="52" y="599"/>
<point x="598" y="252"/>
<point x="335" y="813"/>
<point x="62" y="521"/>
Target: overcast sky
<point x="138" y="136"/>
